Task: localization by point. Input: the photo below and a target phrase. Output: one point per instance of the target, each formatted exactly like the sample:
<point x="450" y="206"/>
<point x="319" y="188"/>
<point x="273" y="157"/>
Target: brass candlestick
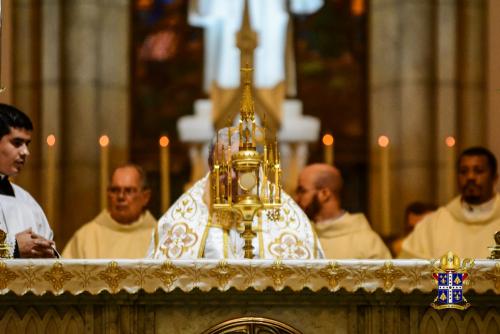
<point x="5" y="248"/>
<point x="256" y="176"/>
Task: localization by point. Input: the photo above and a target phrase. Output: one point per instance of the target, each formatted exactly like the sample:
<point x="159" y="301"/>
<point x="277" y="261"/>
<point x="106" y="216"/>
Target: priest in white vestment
<point x="24" y="230"/>
<point x="467" y="224"/>
<point x="190" y="230"/>
<point x="342" y="235"/>
<point x="124" y="229"/>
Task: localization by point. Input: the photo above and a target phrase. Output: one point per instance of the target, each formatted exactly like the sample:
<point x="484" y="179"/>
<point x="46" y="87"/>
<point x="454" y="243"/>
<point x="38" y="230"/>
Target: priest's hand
<point x="32" y="245"/>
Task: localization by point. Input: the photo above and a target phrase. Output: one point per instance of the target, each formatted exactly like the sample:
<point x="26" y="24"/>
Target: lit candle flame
<point x="383" y="141"/>
<point x="328" y="139"/>
<point x="104" y="141"/>
<point x="51" y="140"/>
<point x="450" y="141"/>
<point x="164" y="141"/>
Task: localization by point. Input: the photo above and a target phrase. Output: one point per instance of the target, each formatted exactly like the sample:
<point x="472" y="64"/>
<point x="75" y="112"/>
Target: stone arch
<point x="491" y="322"/>
<point x="51" y="322"/>
<point x="472" y="322"/>
<point x="31" y="322"/>
<point x="430" y="322"/>
<point x="10" y="322"/>
<point x="73" y="322"/>
<point x="451" y="323"/>
<point x="252" y="325"/>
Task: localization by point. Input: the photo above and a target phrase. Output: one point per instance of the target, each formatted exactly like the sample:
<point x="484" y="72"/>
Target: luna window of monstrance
<point x="246" y="181"/>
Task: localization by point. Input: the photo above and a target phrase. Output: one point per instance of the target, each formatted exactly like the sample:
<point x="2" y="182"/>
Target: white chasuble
<point x="453" y="228"/>
<point x="350" y="237"/>
<point x="105" y="238"/>
<point x="189" y="230"/>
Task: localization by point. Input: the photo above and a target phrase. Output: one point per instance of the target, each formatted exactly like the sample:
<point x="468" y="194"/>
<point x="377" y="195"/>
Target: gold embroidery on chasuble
<point x="180" y="238"/>
<point x="288" y="216"/>
<point x="288" y="246"/>
<point x="185" y="208"/>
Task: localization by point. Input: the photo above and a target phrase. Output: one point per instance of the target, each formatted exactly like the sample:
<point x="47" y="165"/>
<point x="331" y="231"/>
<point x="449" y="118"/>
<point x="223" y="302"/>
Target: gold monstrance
<point x="247" y="181"/>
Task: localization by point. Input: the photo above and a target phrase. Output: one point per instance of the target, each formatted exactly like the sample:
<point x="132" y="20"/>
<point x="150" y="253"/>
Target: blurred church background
<point x="416" y="71"/>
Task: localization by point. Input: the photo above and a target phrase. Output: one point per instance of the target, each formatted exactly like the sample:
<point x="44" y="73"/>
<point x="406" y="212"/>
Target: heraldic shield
<point x="451" y="277"/>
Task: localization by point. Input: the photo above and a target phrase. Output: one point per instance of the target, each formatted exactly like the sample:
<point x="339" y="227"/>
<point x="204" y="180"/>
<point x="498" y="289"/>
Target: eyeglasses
<point x="126" y="191"/>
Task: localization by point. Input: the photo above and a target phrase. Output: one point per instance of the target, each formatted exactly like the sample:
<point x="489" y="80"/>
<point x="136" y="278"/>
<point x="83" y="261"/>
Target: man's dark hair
<point x="419" y="208"/>
<point x="480" y="151"/>
<point x="11" y="117"/>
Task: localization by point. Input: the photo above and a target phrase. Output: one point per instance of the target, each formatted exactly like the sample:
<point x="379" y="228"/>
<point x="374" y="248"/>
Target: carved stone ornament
<point x="252" y="325"/>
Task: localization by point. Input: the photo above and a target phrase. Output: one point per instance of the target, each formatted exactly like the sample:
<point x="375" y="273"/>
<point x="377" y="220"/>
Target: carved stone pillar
<point x="493" y="72"/>
<point x="471" y="76"/>
<point x="95" y="72"/>
<point x="26" y="73"/>
<point x="446" y="95"/>
<point x="51" y="106"/>
<point x="400" y="103"/>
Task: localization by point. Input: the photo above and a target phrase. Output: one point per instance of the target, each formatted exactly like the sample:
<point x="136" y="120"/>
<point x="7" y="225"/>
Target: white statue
<point x="222" y="19"/>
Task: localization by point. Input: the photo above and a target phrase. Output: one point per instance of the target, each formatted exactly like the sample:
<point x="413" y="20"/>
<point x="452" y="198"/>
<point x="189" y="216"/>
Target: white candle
<point x="104" y="168"/>
<point x="50" y="180"/>
<point x="450" y="174"/>
<point x="328" y="150"/>
<point x="164" y="173"/>
<point x="385" y="185"/>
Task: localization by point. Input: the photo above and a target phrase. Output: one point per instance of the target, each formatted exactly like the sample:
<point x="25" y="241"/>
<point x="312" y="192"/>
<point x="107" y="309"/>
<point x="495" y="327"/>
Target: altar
<point x="245" y="296"/>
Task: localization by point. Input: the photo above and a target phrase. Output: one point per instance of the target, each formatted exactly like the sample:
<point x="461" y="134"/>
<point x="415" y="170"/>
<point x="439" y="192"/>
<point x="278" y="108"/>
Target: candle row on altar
<point x="104" y="143"/>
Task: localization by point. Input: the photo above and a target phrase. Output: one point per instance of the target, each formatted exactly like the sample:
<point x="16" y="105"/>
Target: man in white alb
<point x="343" y="235"/>
<point x="123" y="230"/>
<point x="23" y="225"/>
<point x="467" y="224"/>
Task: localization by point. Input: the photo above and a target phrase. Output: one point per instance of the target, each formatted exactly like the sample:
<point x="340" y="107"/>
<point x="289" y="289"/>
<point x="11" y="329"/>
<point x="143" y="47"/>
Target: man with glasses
<point x="124" y="229"/>
<point x="342" y="235"/>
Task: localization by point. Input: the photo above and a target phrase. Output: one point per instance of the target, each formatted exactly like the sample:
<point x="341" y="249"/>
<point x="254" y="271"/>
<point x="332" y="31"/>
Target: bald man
<point x="342" y="235"/>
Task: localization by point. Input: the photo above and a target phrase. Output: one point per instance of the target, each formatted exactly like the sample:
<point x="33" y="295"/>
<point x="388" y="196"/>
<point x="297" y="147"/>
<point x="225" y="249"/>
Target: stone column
<point x="400" y="103"/>
<point x="471" y="78"/>
<point x="95" y="97"/>
<point x="113" y="85"/>
<point x="446" y="94"/>
<point x="25" y="88"/>
<point x="51" y="108"/>
<point x="7" y="56"/>
<point x="80" y="51"/>
<point x="493" y="72"/>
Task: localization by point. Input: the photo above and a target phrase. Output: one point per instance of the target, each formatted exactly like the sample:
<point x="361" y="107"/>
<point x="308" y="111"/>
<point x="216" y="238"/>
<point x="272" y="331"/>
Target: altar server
<point x="466" y="225"/>
<point x="343" y="235"/>
<point x="24" y="230"/>
<point x="124" y="229"/>
<point x="190" y="230"/>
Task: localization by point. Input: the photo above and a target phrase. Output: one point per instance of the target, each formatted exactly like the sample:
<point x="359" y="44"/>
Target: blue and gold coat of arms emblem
<point x="451" y="276"/>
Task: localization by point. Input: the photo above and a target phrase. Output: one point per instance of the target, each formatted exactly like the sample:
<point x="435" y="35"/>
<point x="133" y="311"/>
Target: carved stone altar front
<point x="108" y="296"/>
